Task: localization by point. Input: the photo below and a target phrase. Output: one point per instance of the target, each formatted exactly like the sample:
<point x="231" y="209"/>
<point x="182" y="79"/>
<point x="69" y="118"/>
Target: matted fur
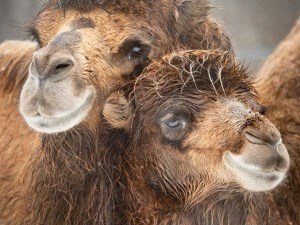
<point x="161" y="187"/>
<point x="279" y="85"/>
<point x="76" y="178"/>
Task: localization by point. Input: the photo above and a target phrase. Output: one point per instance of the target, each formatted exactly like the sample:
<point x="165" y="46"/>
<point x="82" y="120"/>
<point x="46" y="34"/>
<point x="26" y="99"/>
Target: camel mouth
<point x="58" y="124"/>
<point x="252" y="177"/>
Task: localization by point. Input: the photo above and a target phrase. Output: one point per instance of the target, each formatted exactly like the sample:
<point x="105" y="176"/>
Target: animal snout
<point x="60" y="64"/>
<point x="263" y="160"/>
<point x="264" y="148"/>
<point x="269" y="136"/>
<point x="56" y="66"/>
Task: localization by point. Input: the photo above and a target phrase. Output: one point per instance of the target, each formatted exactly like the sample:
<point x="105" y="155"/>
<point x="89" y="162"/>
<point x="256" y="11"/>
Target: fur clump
<point x="78" y="175"/>
<point x="178" y="72"/>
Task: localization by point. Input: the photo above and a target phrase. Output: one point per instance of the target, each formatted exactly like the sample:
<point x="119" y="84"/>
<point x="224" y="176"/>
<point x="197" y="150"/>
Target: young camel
<point x="85" y="49"/>
<point x="279" y="84"/>
<point x="200" y="150"/>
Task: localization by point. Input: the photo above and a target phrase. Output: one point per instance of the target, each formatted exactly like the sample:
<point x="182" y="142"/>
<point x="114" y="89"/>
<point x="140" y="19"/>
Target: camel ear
<point x="117" y="111"/>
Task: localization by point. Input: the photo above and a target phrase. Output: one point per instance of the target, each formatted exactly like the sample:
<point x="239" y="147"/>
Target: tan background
<point x="256" y="26"/>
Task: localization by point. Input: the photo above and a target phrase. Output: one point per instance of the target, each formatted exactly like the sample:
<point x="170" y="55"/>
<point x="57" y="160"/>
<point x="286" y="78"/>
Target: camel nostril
<point x="61" y="64"/>
<point x="46" y="65"/>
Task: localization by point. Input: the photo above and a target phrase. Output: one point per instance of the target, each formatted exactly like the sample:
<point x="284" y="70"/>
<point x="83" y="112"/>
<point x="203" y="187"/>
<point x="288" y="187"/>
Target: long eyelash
<point x="32" y="31"/>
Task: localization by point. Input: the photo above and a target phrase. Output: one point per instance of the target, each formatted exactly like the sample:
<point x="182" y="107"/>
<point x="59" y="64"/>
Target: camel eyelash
<point x="33" y="32"/>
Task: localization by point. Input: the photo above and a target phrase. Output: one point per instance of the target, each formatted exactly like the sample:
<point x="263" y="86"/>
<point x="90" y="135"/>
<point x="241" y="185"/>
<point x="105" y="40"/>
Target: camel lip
<point x="254" y="139"/>
<point x="252" y="170"/>
<point x="45" y="124"/>
<point x="258" y="141"/>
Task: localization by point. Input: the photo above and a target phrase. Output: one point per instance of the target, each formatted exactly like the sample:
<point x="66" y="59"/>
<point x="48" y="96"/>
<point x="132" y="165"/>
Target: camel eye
<point x="135" y="49"/>
<point x="173" y="126"/>
<point x="136" y="52"/>
<point x="174" y="123"/>
<point x="139" y="52"/>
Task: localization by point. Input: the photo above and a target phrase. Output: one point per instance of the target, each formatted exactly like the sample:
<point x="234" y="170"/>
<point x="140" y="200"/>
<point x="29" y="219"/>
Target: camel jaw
<point x="252" y="177"/>
<point x="55" y="124"/>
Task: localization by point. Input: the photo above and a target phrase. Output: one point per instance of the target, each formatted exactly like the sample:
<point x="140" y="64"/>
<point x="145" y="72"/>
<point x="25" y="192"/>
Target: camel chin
<point x="54" y="111"/>
<point x="62" y="123"/>
<point x="262" y="172"/>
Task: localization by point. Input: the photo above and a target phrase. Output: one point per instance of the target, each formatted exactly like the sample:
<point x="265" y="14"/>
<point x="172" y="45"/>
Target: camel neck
<point x="187" y="202"/>
<point x="77" y="173"/>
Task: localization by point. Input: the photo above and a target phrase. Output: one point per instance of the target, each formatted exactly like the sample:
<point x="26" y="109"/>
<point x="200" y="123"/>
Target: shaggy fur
<point x="84" y="167"/>
<point x="70" y="178"/>
<point x="279" y="85"/>
<point x="162" y="186"/>
<point x="15" y="147"/>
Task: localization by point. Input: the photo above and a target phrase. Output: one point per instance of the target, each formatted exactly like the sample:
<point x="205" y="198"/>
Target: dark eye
<point x="135" y="49"/>
<point x="174" y="126"/>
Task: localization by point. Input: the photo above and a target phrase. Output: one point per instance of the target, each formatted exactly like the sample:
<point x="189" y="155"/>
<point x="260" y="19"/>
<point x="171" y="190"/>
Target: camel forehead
<point x="109" y="27"/>
<point x="191" y="80"/>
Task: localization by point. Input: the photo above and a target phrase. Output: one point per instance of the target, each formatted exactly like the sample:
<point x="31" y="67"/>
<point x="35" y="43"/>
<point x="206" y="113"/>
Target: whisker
<point x="211" y="81"/>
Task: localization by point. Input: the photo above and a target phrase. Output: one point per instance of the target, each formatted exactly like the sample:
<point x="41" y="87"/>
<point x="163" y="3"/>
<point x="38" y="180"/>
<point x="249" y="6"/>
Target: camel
<point x="278" y="82"/>
<point x="200" y="149"/>
<point x="62" y="48"/>
<point x="14" y="131"/>
<point x="66" y="173"/>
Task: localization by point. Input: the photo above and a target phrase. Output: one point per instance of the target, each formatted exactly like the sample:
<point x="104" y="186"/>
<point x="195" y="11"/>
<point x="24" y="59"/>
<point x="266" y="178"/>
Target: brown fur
<point x="14" y="67"/>
<point x="71" y="177"/>
<point x="279" y="85"/>
<point x="163" y="186"/>
<point x="14" y="144"/>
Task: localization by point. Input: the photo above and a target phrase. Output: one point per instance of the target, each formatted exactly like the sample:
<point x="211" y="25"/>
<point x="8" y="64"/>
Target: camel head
<point x="88" y="48"/>
<point x="195" y="121"/>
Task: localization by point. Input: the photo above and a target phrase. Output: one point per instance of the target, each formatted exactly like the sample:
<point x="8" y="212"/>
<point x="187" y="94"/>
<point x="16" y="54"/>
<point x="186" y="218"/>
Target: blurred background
<point x="256" y="26"/>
